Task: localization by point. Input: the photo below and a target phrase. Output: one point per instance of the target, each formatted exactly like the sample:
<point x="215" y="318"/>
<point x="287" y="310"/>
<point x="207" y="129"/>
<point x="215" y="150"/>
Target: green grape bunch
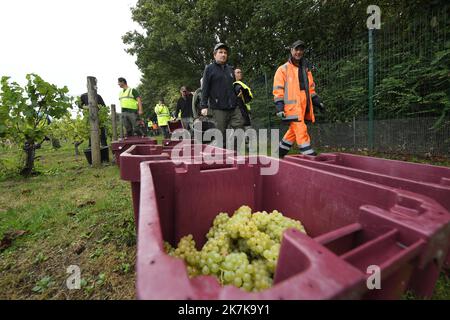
<point x="241" y="250"/>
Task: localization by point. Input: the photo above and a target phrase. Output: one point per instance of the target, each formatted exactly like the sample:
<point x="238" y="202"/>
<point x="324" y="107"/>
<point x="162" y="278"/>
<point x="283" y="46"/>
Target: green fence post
<point x="371" y="87"/>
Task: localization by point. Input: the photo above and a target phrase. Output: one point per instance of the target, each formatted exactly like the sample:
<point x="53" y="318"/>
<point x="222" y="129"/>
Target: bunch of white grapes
<point x="241" y="250"/>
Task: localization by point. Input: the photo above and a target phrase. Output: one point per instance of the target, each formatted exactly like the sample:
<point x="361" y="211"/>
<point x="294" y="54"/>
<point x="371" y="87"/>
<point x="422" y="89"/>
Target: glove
<point x="280" y="109"/>
<point x="317" y="103"/>
<point x="204" y="112"/>
<point x="280" y="114"/>
<point x="280" y="106"/>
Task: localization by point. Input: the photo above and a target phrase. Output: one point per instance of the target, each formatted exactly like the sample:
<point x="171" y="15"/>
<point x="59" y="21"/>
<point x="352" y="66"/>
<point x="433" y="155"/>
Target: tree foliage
<point x="179" y="36"/>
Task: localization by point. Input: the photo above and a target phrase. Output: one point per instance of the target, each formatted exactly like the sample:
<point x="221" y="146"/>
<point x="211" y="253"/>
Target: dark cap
<point x="220" y="46"/>
<point x="298" y="43"/>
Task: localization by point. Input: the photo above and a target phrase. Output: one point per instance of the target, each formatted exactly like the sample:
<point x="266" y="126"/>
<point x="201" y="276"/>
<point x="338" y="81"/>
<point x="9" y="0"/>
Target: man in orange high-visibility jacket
<point x="294" y="96"/>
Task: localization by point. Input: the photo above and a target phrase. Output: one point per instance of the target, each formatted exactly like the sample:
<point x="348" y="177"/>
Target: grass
<point x="75" y="215"/>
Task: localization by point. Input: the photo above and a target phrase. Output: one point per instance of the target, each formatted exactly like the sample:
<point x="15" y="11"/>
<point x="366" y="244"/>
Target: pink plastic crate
<point x="351" y="225"/>
<point x="122" y="145"/>
<point x="428" y="180"/>
<point x="131" y="159"/>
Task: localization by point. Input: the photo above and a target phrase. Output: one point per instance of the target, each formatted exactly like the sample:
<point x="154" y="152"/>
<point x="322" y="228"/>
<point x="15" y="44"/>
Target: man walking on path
<point x="163" y="114"/>
<point x="131" y="103"/>
<point x="84" y="104"/>
<point x="294" y="97"/>
<point x="184" y="105"/>
<point x="218" y="97"/>
<point x="196" y="101"/>
<point x="244" y="95"/>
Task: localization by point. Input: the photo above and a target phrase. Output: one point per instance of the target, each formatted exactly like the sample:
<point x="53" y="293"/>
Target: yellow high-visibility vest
<point x="127" y="101"/>
<point x="163" y="114"/>
<point x="243" y="85"/>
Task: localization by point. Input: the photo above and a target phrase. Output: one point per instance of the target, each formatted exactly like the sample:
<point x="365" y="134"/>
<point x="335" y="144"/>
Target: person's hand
<point x="280" y="114"/>
<point x="140" y="112"/>
<point x="240" y="94"/>
<point x="279" y="106"/>
<point x="204" y="112"/>
<point x="317" y="103"/>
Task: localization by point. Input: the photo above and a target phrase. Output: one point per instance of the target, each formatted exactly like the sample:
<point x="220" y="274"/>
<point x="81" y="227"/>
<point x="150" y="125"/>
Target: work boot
<point x="282" y="153"/>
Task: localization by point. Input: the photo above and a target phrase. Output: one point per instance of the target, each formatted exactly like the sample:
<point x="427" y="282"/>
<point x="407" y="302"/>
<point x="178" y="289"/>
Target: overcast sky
<point x="67" y="40"/>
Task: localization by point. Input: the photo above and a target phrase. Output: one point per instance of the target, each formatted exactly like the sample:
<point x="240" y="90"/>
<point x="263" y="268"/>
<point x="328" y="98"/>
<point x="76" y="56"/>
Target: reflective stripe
<point x="307" y="144"/>
<point x="287" y="142"/>
<point x="291" y="118"/>
<point x="278" y="87"/>
<point x="126" y="94"/>
<point x="127" y="101"/>
<point x="278" y="99"/>
<point x="310" y="151"/>
<point x="313" y="95"/>
<point x="243" y="85"/>
<point x="286" y="94"/>
<point x="162" y="110"/>
<point x="284" y="147"/>
<point x="305" y="149"/>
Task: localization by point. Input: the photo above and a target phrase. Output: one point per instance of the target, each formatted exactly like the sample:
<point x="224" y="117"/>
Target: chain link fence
<point x="413" y="136"/>
<point x="411" y="96"/>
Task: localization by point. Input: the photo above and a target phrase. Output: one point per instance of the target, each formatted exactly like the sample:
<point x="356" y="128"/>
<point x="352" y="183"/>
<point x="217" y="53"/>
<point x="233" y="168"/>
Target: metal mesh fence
<point x="407" y="136"/>
<point x="411" y="96"/>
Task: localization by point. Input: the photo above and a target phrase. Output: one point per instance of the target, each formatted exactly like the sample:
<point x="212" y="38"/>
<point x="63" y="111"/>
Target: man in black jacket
<point x="184" y="105"/>
<point x="84" y="104"/>
<point x="218" y="96"/>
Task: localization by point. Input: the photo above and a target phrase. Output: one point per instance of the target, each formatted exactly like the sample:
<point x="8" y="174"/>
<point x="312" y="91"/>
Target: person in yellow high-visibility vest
<point x="245" y="96"/>
<point x="163" y="114"/>
<point x="131" y="104"/>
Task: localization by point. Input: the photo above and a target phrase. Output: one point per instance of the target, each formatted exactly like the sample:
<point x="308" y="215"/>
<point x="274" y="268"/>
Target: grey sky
<point x="65" y="41"/>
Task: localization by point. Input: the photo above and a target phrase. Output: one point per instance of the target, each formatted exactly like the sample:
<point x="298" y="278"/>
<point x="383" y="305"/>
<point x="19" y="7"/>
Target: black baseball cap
<point x="298" y="43"/>
<point x="220" y="46"/>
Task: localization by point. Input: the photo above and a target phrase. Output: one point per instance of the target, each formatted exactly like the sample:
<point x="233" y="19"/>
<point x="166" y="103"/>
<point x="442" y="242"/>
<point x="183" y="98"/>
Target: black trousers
<point x="103" y="141"/>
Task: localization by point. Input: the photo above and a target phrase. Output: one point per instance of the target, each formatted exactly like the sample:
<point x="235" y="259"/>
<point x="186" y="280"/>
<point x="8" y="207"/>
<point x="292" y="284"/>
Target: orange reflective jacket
<point x="286" y="87"/>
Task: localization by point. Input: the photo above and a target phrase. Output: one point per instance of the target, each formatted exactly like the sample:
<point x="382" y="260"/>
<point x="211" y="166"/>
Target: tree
<point x="25" y="113"/>
<point x="179" y="36"/>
